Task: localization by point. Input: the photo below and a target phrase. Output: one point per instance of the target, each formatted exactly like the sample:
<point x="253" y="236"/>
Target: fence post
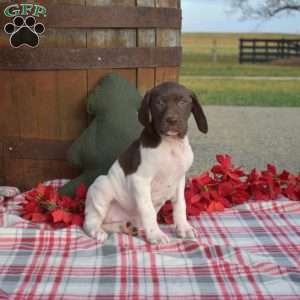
<point x="267" y="50"/>
<point x="282" y="49"/>
<point x="214" y="52"/>
<point x="254" y="51"/>
<point x="241" y="50"/>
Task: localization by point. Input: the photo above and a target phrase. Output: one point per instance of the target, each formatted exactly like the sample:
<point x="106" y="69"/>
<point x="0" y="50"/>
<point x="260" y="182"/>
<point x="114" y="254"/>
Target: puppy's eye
<point x="181" y="102"/>
<point x="160" y="104"/>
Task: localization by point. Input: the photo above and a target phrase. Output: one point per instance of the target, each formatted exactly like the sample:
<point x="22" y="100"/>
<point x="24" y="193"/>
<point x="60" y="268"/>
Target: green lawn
<point x="197" y="61"/>
<point x="243" y="92"/>
<point x="201" y="65"/>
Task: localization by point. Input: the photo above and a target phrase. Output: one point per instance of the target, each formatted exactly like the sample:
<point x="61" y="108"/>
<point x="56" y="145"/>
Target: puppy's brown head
<point x="165" y="110"/>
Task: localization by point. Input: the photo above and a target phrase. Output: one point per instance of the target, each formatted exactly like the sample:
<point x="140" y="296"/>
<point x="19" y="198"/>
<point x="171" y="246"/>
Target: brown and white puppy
<point x="151" y="171"/>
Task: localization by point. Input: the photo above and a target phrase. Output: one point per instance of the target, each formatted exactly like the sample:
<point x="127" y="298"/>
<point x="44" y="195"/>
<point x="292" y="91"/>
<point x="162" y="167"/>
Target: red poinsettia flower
<point x="227" y="185"/>
<point x="265" y="185"/>
<point x="165" y="215"/>
<point x="290" y="185"/>
<point x="44" y="204"/>
<point x="226" y="169"/>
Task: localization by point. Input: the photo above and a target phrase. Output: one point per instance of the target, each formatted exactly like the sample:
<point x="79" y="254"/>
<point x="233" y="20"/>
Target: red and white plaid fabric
<point x="251" y="251"/>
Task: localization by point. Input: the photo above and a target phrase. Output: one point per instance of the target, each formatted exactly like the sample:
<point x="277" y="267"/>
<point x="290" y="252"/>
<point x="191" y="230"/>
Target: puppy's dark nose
<point x="172" y="120"/>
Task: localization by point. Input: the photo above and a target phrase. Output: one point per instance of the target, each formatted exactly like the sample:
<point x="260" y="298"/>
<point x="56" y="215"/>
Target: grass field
<point x="198" y="61"/>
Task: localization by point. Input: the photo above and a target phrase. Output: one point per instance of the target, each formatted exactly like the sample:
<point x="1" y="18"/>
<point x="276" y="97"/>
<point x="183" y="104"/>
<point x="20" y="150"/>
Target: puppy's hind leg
<point x="99" y="196"/>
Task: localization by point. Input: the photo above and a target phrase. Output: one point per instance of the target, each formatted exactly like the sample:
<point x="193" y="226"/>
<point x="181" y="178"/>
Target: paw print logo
<point x="24" y="31"/>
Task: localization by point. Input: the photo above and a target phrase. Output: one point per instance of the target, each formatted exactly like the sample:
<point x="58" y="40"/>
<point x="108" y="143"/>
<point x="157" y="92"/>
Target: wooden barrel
<point x="44" y="89"/>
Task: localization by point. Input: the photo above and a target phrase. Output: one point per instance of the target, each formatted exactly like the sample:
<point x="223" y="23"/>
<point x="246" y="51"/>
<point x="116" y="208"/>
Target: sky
<point x="214" y="16"/>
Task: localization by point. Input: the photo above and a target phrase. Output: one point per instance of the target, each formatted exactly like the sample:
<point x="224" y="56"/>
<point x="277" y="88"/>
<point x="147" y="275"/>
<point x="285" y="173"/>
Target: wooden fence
<point x="266" y="50"/>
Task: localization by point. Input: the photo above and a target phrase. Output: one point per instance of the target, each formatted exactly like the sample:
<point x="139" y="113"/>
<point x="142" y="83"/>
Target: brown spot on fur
<point x="150" y="139"/>
<point x="129" y="229"/>
<point x="130" y="159"/>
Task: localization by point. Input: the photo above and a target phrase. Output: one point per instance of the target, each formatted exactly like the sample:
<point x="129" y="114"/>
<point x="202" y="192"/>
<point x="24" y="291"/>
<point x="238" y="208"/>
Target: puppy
<point x="150" y="172"/>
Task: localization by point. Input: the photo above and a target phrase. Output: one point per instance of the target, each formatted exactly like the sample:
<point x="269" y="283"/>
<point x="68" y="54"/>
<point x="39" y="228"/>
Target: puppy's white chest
<point x="174" y="159"/>
<point x="175" y="155"/>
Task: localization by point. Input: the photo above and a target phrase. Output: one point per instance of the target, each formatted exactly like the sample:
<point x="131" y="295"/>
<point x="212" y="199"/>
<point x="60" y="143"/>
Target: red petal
<point x="217" y="169"/>
<point x="40" y="189"/>
<point x="225" y="202"/>
<point x="272" y="169"/>
<point x="168" y="219"/>
<point x="53" y="196"/>
<point x="205" y="195"/>
<point x="195" y="199"/>
<point x="214" y="195"/>
<point x="202" y="179"/>
<point x="196" y="210"/>
<point x="30" y="206"/>
<point x="219" y="206"/>
<point x="38" y="217"/>
<point x="212" y="207"/>
<point x="80" y="192"/>
<point x="240" y="197"/>
<point x="290" y="192"/>
<point x="258" y="195"/>
<point x="77" y="219"/>
<point x="57" y="215"/>
<point x="67" y="202"/>
<point x="225" y="188"/>
<point x="233" y="175"/>
<point x="188" y="194"/>
<point x="224" y="160"/>
<point x="167" y="207"/>
<point x="284" y="175"/>
<point x="67" y="217"/>
<point x="254" y="176"/>
<point x="49" y="192"/>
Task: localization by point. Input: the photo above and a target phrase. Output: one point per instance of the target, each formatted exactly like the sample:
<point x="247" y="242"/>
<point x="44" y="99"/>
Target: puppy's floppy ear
<point x="199" y="114"/>
<point x="144" y="113"/>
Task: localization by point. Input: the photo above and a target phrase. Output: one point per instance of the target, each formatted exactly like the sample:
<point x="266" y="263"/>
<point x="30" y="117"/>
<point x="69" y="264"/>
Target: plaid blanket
<point x="251" y="251"/>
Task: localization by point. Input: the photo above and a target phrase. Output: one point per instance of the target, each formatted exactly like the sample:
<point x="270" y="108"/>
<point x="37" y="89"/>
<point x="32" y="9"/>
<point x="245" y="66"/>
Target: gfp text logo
<point x="24" y="30"/>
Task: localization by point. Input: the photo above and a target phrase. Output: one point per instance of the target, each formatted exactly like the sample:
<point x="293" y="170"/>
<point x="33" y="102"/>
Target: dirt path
<point x="254" y="136"/>
<point x="242" y="78"/>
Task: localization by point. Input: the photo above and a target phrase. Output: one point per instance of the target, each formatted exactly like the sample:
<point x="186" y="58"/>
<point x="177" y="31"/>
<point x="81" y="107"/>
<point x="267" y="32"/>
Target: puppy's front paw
<point x="99" y="235"/>
<point x="156" y="236"/>
<point x="96" y="233"/>
<point x="186" y="231"/>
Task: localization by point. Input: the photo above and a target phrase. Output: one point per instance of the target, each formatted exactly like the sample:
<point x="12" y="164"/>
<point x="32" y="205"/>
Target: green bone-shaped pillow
<point x="114" y="104"/>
